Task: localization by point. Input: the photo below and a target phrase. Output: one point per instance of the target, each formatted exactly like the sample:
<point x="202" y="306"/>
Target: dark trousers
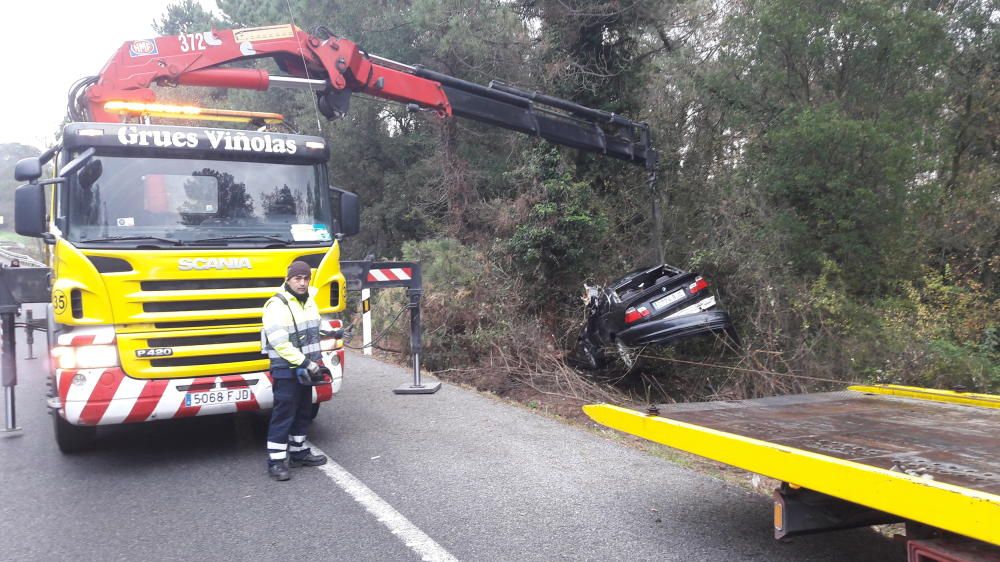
<point x="292" y="411"/>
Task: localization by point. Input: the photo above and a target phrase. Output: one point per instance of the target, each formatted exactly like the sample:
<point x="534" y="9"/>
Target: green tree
<point x="841" y="185"/>
<point x="186" y="16"/>
<point x="835" y="97"/>
<point x="959" y="209"/>
<point x="560" y="236"/>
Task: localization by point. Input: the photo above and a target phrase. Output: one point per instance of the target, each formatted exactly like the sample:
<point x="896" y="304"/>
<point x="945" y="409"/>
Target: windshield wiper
<point x="264" y="237"/>
<point x="170" y="241"/>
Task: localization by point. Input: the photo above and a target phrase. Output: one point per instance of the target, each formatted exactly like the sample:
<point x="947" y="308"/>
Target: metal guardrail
<point x="24" y="259"/>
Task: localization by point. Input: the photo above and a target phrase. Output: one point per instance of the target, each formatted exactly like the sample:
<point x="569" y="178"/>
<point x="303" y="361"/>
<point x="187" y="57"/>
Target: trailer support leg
<point x="415" y="347"/>
<point x="798" y="511"/>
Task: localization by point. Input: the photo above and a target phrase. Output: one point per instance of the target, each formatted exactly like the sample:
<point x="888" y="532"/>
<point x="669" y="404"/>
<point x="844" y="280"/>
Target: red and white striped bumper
<point x="109" y="396"/>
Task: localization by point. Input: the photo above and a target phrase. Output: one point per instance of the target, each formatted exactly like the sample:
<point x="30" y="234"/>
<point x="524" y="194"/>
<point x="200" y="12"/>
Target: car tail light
<point x="697" y="286"/>
<point x="634" y="314"/>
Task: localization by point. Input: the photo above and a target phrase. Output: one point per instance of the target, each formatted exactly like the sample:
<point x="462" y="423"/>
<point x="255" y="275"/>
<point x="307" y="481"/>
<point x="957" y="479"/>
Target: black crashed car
<point x="659" y="305"/>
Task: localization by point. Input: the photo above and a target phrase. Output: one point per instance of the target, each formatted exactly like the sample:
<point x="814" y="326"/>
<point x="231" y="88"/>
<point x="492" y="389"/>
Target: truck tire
<point x="73" y="438"/>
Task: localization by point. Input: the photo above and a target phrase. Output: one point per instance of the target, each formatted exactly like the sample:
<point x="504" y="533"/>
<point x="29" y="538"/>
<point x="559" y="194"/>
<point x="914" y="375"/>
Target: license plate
<point x="668" y="300"/>
<point x="212" y="397"/>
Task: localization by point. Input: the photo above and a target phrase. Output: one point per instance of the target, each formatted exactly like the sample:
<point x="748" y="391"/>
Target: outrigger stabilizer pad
<point x="423" y="388"/>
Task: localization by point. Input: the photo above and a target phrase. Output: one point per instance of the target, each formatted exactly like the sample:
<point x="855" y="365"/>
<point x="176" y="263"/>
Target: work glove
<point x="337" y="333"/>
<point x="310" y="374"/>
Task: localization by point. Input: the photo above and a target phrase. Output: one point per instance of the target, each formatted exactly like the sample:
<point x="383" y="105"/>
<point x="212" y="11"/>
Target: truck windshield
<point x="164" y="201"/>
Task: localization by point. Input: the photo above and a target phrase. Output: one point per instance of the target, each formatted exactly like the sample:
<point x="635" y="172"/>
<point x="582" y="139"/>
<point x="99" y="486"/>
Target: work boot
<point x="278" y="471"/>
<point x="307" y="459"/>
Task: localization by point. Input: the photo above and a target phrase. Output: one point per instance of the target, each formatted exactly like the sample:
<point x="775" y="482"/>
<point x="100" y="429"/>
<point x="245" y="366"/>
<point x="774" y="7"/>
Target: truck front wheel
<point x="73" y="438"/>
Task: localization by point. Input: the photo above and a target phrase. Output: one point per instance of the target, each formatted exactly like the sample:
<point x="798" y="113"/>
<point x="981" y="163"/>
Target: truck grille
<point x="216" y="304"/>
<point x="185" y="295"/>
<point x="206" y="323"/>
<point x="204" y="340"/>
<point x="207" y="359"/>
<point x="210" y="284"/>
<point x="209" y="326"/>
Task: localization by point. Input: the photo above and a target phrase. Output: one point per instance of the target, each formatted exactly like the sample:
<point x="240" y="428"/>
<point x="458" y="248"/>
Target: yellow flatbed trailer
<point x="867" y="455"/>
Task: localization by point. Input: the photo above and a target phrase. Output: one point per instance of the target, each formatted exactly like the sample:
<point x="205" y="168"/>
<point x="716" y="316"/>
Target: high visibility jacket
<point x="291" y="331"/>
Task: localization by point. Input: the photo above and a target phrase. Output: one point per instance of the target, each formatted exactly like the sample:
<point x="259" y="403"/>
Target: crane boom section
<point x="194" y="58"/>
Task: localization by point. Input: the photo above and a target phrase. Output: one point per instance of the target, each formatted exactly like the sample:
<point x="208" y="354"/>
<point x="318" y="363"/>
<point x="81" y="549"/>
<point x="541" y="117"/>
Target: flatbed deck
<point x="926" y="456"/>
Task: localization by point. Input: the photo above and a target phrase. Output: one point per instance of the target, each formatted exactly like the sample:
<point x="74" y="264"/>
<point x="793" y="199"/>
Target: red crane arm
<point x="337" y="68"/>
<point x="194" y="59"/>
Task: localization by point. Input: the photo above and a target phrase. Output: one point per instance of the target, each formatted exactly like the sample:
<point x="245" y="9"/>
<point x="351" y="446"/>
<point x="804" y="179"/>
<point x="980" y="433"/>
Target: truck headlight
<point x="334" y="361"/>
<point x="86" y="357"/>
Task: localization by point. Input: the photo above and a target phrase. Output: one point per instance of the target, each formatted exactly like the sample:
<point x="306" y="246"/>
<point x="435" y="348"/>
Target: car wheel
<point x="587" y="357"/>
<point x="627" y="354"/>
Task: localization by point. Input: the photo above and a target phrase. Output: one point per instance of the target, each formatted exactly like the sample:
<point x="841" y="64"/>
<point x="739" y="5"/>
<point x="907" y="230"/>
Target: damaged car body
<point x="660" y="305"/>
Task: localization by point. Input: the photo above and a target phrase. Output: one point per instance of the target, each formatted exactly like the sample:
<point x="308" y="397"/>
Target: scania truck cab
<point x="165" y="242"/>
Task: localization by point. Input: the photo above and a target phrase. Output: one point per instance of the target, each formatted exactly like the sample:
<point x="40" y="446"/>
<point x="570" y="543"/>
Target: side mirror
<point x="29" y="169"/>
<point x="350" y="212"/>
<point x="29" y="210"/>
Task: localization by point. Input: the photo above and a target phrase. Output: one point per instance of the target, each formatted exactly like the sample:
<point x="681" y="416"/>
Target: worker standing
<point x="291" y="329"/>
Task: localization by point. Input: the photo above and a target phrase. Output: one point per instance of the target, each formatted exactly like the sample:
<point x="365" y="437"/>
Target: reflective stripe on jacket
<point x="286" y="347"/>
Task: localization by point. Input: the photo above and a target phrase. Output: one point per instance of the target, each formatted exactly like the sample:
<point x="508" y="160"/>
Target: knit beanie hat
<point x="298" y="267"/>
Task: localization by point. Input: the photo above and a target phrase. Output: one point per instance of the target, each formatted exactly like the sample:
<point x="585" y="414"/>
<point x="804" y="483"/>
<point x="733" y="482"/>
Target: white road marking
<point x="412" y="537"/>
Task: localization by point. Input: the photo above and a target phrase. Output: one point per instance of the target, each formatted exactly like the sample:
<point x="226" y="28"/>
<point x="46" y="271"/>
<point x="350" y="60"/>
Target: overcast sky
<point x="48" y="45"/>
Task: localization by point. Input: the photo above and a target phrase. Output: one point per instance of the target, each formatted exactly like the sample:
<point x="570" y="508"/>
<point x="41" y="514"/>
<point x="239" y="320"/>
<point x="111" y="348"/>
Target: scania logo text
<point x="187" y="264"/>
